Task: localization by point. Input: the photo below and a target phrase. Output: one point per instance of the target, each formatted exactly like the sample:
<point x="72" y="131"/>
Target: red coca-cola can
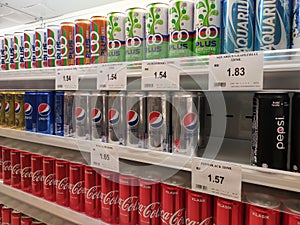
<point x="1" y="206"/>
<point x="26" y="220"/>
<point x="49" y="178"/>
<point x="228" y="212"/>
<point x="25" y="163"/>
<point x="92" y="183"/>
<point x="292" y="215"/>
<point x="128" y="199"/>
<point x="198" y="208"/>
<point x="1" y="162"/>
<point x="37" y="175"/>
<point x="77" y="187"/>
<point x="62" y="182"/>
<point x="6" y="215"/>
<point x="15" y="168"/>
<point x="16" y="217"/>
<point x="262" y="209"/>
<point x="109" y="197"/>
<point x="6" y="165"/>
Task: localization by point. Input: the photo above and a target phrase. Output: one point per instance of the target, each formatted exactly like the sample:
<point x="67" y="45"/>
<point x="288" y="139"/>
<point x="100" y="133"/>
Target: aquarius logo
<point x="113" y="116"/>
<point x="79" y="44"/>
<point x="64" y="46"/>
<point x="154" y="39"/>
<point x="190" y="121"/>
<point x="155" y="119"/>
<point x="80" y="114"/>
<point x="132" y="118"/>
<point x="179" y="36"/>
<point x="96" y="115"/>
<point x="51" y="47"/>
<point x="17" y="107"/>
<point x="114" y="45"/>
<point x="205" y="32"/>
<point x="28" y="109"/>
<point x="134" y="42"/>
<point x="44" y="109"/>
<point x="94" y="42"/>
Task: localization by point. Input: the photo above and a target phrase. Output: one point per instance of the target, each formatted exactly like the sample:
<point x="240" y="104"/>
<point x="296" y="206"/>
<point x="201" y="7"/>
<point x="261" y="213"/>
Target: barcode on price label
<point x="220" y="84"/>
<point x="148" y="85"/>
<point x="201" y="187"/>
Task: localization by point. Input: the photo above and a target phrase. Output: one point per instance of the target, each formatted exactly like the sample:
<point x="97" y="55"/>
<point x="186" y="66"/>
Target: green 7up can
<point x="19" y="50"/>
<point x="41" y="51"/>
<point x="29" y="49"/>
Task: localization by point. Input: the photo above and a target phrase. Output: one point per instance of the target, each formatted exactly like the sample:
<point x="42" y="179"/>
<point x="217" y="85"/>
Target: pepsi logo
<point x="96" y="115"/>
<point x="17" y="107"/>
<point x="28" y="109"/>
<point x="113" y="116"/>
<point x="80" y="114"/>
<point x="190" y="121"/>
<point x="132" y="118"/>
<point x="44" y="109"/>
<point x="6" y="107"/>
<point x="155" y="119"/>
<point x="280" y="129"/>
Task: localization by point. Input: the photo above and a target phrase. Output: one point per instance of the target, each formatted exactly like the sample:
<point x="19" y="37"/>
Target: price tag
<point x="160" y="75"/>
<point x="217" y="178"/>
<point x="66" y="79"/>
<point x="105" y="156"/>
<point x="112" y="76"/>
<point x="242" y="71"/>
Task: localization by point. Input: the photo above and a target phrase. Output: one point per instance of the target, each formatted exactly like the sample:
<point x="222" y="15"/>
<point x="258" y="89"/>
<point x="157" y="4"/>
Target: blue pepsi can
<point x="238" y="26"/>
<point x="273" y="24"/>
<point x="59" y="113"/>
<point x="45" y="109"/>
<point x="30" y="111"/>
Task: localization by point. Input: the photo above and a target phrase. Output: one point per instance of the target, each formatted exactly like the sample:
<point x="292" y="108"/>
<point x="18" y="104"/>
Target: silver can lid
<point x="175" y="180"/>
<point x="293" y="205"/>
<point x="263" y="200"/>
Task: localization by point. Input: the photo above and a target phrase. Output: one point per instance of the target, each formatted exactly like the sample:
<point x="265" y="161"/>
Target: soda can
<point x="292" y="214"/>
<point x="198" y="208"/>
<point x="19" y="50"/>
<point x="29" y="49"/>
<point x="49" y="178"/>
<point x="135" y="34"/>
<point x="98" y="39"/>
<point x="37" y="175"/>
<point x="44" y="102"/>
<point x="136" y="119"/>
<point x="77" y="187"/>
<point x="36" y="222"/>
<point x="295" y="143"/>
<point x="158" y="121"/>
<point x="4" y="56"/>
<point x="69" y="120"/>
<point x="30" y="111"/>
<point x="9" y="109"/>
<point x="157" y="33"/>
<point x="53" y="46"/>
<point x="1" y="206"/>
<point x="238" y="26"/>
<point x="2" y="108"/>
<point x="262" y="209"/>
<point x="62" y="182"/>
<point x="16" y="217"/>
<point x="26" y="220"/>
<point x="25" y="164"/>
<point x="6" y="215"/>
<point x="82" y="42"/>
<point x="92" y="183"/>
<point x="181" y="28"/>
<point x="207" y="27"/>
<point x="273" y="25"/>
<point x="116" y="118"/>
<point x="98" y="116"/>
<point x="109" y="197"/>
<point x="6" y="52"/>
<point x="15" y="169"/>
<point x="1" y="175"/>
<point x="19" y="111"/>
<point x="67" y="44"/>
<point x="270" y="126"/>
<point x="9" y="43"/>
<point x="116" y="36"/>
<point x="41" y="50"/>
<point x="59" y="113"/>
<point x="6" y="165"/>
<point x="83" y="129"/>
<point x="228" y="212"/>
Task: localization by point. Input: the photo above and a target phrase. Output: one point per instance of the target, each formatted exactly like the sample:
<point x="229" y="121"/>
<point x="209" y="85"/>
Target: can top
<point x="180" y="1"/>
<point x="175" y="180"/>
<point x="263" y="200"/>
<point x="150" y="175"/>
<point x="157" y="3"/>
<point x="271" y="93"/>
<point x="15" y="211"/>
<point x="140" y="8"/>
<point x="28" y="31"/>
<point x="67" y="23"/>
<point x="98" y="17"/>
<point x="40" y="28"/>
<point x="53" y="26"/>
<point x="293" y="205"/>
<point x="128" y="171"/>
<point x="121" y="13"/>
<point x="19" y="32"/>
<point x="82" y="21"/>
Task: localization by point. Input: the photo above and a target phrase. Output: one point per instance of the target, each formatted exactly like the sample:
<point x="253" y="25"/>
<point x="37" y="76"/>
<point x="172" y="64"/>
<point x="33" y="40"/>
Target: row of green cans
<point x="182" y="28"/>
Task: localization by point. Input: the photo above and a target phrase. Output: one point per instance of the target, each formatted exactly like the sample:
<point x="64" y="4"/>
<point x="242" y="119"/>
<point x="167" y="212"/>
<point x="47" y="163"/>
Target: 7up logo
<point x="64" y="47"/>
<point x="79" y="45"/>
<point x="51" y="47"/>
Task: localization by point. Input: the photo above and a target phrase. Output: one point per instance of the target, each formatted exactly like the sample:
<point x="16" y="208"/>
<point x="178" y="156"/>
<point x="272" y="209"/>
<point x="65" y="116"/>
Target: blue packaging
<point x="59" y="113"/>
<point x="238" y="26"/>
<point x="30" y="111"/>
<point x="296" y="25"/>
<point x="45" y="115"/>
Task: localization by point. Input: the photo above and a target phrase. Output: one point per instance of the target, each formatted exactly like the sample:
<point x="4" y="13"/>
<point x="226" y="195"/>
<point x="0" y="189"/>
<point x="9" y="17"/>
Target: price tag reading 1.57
<point x="66" y="79"/>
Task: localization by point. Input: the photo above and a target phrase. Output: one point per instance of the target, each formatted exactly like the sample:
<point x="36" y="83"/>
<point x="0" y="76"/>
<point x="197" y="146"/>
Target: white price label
<point x="242" y="71"/>
<point x="160" y="75"/>
<point x="66" y="79"/>
<point x="105" y="156"/>
<point x="217" y="178"/>
<point x="112" y="76"/>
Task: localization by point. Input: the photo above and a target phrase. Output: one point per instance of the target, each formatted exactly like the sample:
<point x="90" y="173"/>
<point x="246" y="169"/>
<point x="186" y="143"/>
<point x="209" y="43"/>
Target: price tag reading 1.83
<point x="66" y="79"/>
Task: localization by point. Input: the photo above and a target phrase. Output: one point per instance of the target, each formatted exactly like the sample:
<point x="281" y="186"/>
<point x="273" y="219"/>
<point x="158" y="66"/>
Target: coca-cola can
<point x="26" y="220"/>
<point x="6" y="215"/>
<point x="1" y="206"/>
<point x="25" y="163"/>
<point x="228" y="212"/>
<point x="37" y="175"/>
<point x="16" y="217"/>
<point x="77" y="187"/>
<point x="15" y="168"/>
<point x="62" y="182"/>
<point x="109" y="197"/>
<point x="198" y="208"/>
<point x="1" y="163"/>
<point x="92" y="183"/>
<point x="292" y="215"/>
<point x="6" y="165"/>
<point x="49" y="178"/>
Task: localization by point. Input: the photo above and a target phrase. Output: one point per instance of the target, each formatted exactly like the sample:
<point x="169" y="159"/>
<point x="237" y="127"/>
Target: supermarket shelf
<point x="48" y="212"/>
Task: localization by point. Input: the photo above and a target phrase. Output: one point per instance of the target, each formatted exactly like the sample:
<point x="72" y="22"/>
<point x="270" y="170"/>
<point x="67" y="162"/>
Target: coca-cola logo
<point x="111" y="198"/>
<point x="207" y="221"/>
<point x="16" y="169"/>
<point x="176" y="218"/>
<point x="63" y="184"/>
<point x="130" y="204"/>
<point x="6" y="166"/>
<point x="26" y="172"/>
<point x="37" y="176"/>
<point x="49" y="180"/>
<point x="92" y="193"/>
<point x="150" y="211"/>
<point x="77" y="188"/>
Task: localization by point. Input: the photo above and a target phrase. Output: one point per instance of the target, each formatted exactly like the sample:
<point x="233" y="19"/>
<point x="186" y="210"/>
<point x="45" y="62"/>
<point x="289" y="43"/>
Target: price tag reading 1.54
<point x="160" y="75"/>
<point x="112" y="76"/>
<point x="66" y="79"/>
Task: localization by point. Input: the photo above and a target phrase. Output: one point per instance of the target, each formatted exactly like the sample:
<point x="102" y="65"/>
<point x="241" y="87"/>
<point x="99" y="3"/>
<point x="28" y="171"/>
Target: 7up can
<point x="67" y="44"/>
<point x="53" y="46"/>
<point x="41" y="50"/>
<point x="207" y="26"/>
<point x="29" y="49"/>
<point x="98" y="39"/>
<point x="181" y="28"/>
<point x="135" y="34"/>
<point x="82" y="42"/>
<point x="157" y="35"/>
<point x="19" y="50"/>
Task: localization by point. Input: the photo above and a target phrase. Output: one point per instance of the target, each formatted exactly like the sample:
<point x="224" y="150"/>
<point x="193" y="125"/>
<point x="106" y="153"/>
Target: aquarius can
<point x="9" y="42"/>
<point x="19" y="50"/>
<point x="157" y="33"/>
<point x="135" y="34"/>
<point x="41" y="51"/>
<point x="53" y="46"/>
<point x="181" y="28"/>
<point x="116" y="36"/>
<point x="9" y="109"/>
<point x="69" y="120"/>
<point x="59" y="113"/>
<point x="19" y="111"/>
<point x="3" y="53"/>
<point x="98" y="38"/>
<point x="29" y="49"/>
<point x="207" y="27"/>
<point x="67" y="44"/>
<point x="2" y="108"/>
<point x="82" y="42"/>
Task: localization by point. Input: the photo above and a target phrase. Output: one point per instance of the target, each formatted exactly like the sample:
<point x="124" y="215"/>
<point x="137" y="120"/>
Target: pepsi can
<point x="159" y="123"/>
<point x="45" y="108"/>
<point x="30" y="108"/>
<point x="19" y="111"/>
<point x="69" y="120"/>
<point x="98" y="116"/>
<point x="136" y="119"/>
<point x="59" y="113"/>
<point x="116" y="118"/>
<point x="9" y="109"/>
<point x="238" y="26"/>
<point x="2" y="112"/>
<point x="82" y="126"/>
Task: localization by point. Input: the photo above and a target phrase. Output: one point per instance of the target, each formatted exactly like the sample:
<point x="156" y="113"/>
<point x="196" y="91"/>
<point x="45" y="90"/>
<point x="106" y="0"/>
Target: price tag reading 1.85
<point x="66" y="79"/>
